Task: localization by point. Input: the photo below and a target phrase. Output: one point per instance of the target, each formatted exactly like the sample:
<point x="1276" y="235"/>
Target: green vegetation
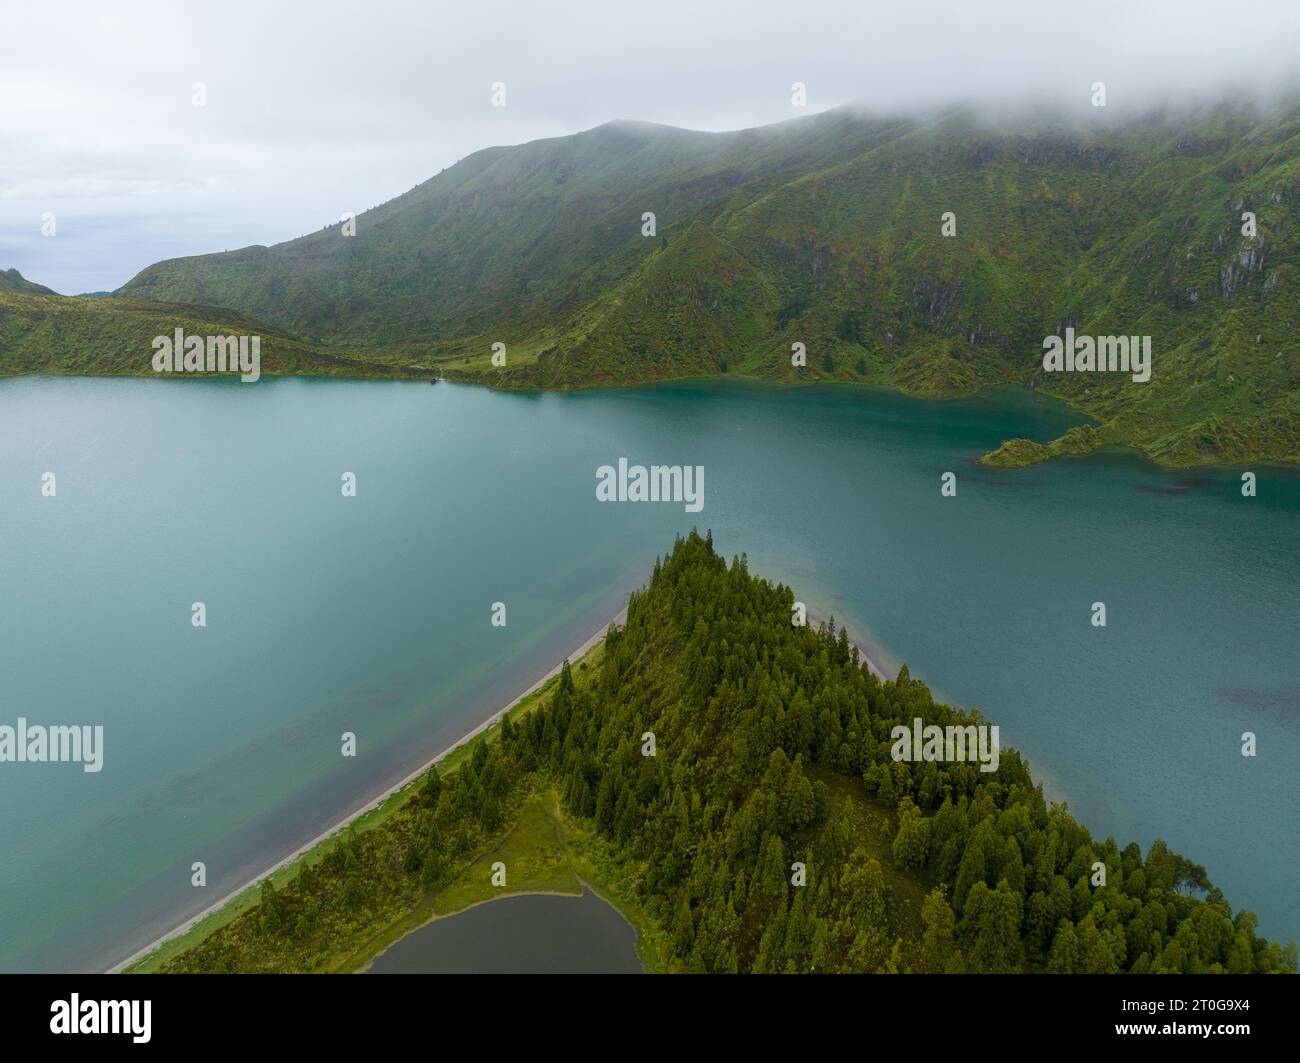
<point x="773" y="747"/>
<point x="1082" y="439"/>
<point x="89" y="336"/>
<point x="534" y="852"/>
<point x="13" y="281"/>
<point x="824" y="231"/>
<point x="532" y="849"/>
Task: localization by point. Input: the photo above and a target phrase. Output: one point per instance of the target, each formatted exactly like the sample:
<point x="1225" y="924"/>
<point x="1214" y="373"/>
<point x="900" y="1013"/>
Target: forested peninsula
<point x="771" y="748"/>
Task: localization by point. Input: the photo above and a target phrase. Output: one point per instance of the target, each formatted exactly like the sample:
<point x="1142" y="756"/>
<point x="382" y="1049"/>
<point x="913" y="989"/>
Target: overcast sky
<point x="318" y="108"/>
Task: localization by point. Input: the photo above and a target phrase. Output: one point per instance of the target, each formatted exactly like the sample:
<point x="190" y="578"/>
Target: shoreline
<point x="1053" y="792"/>
<point x="815" y="619"/>
<point x="585" y="889"/>
<point x="399" y="373"/>
<point x="590" y="643"/>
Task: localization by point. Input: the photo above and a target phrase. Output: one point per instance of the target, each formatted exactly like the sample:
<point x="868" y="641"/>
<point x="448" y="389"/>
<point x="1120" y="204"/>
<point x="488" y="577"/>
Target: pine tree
<point x="432" y="787"/>
<point x="969" y="873"/>
<point x="1064" y="957"/>
<point x="912" y="842"/>
<point x="940" y="922"/>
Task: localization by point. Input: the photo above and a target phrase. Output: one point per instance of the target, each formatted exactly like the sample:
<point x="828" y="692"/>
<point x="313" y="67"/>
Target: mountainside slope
<point x="503" y="235"/>
<point x="13" y="281"/>
<point x="90" y="336"/>
<point x="1136" y="235"/>
<point x="826" y="231"/>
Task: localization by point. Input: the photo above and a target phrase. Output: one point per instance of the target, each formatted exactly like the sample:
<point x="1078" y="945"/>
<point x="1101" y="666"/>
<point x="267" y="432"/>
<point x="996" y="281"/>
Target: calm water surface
<point x="372" y="614"/>
<point x="536" y="934"/>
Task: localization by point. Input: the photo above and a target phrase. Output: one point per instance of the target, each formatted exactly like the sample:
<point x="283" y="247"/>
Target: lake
<point x="373" y="614"/>
<point x="532" y="934"/>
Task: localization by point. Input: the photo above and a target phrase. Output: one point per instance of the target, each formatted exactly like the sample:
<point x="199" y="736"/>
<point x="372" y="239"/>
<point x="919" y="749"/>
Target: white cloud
<point x="317" y="108"/>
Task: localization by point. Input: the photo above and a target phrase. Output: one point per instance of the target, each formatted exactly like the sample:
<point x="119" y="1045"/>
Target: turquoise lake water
<point x="372" y="614"/>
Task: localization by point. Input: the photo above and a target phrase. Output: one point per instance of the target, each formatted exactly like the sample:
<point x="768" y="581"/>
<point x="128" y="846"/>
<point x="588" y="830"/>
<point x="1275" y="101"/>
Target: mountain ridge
<point x="13" y="281"/>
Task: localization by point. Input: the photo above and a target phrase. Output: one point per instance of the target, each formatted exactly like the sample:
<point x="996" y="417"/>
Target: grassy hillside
<point x="507" y="235"/>
<point x="773" y="748"/>
<point x="85" y="335"/>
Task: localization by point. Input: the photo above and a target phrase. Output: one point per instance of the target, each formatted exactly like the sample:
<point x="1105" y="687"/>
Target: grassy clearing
<point x="546" y="851"/>
<point x="536" y="862"/>
<point x="535" y="856"/>
<point x="875" y="831"/>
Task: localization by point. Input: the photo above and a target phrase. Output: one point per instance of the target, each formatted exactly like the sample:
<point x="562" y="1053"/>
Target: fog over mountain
<point x="313" y="110"/>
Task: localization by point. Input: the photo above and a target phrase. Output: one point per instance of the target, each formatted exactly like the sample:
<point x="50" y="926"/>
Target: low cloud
<point x="318" y="108"/>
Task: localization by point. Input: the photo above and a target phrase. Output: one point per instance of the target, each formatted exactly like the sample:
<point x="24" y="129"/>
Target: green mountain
<point x="506" y="236"/>
<point x="826" y="231"/>
<point x="13" y="281"/>
<point x="773" y="754"/>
